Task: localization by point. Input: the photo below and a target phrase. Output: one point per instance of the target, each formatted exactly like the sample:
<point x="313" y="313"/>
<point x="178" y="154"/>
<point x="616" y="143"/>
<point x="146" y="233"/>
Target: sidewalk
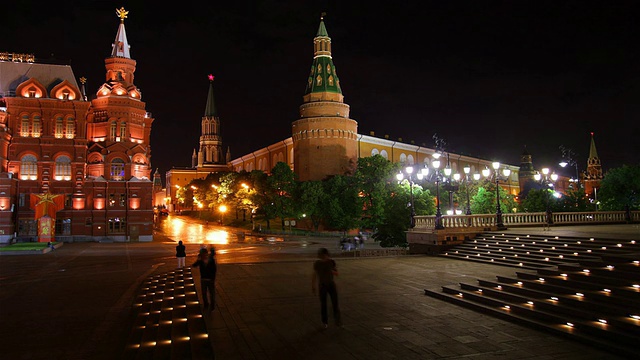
<point x="75" y="303"/>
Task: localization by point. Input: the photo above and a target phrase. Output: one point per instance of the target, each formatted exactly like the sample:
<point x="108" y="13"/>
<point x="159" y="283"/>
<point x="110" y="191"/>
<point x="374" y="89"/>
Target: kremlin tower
<point x="324" y="138"/>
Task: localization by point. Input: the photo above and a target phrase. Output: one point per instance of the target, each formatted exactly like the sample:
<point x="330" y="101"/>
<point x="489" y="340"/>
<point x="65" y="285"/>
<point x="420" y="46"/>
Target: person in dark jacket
<point x="322" y="283"/>
<point x="208" y="269"/>
<point x="181" y="254"/>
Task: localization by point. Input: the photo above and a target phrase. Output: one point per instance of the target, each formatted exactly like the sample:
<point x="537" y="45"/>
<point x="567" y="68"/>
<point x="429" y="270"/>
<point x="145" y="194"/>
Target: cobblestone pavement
<point x="75" y="303"/>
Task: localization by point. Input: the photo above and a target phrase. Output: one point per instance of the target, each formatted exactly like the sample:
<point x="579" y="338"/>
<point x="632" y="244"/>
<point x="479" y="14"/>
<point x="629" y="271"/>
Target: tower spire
<point x="210" y="109"/>
<point x="323" y="80"/>
<point x="593" y="175"/>
<point x="210" y="151"/>
<point x="120" y="47"/>
<point x="593" y="153"/>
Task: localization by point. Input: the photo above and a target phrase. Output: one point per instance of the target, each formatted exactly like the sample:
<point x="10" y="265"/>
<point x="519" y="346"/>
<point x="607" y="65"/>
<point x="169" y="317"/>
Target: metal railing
<point x="428" y="222"/>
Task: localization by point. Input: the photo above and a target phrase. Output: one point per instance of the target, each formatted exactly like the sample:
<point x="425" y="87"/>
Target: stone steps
<point x="167" y="320"/>
<point x="537" y="251"/>
<point x="592" y="297"/>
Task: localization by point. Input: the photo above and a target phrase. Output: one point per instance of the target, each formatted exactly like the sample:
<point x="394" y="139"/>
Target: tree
<point x="484" y="202"/>
<point x="259" y="197"/>
<point x="310" y="197"/>
<point x="620" y="189"/>
<point x="341" y="205"/>
<point x="374" y="176"/>
<point x="244" y="193"/>
<point x="536" y="201"/>
<point x="281" y="189"/>
<point x="391" y="231"/>
<point x="573" y="201"/>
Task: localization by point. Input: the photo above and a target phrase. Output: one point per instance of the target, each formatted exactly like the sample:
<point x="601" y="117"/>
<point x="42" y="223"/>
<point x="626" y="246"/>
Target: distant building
<point x="593" y="175"/>
<point x="209" y="158"/>
<point x="324" y="141"/>
<point x="94" y="153"/>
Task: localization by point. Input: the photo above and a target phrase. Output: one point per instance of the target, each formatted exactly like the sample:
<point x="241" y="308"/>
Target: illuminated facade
<point x="96" y="153"/>
<point x="324" y="141"/>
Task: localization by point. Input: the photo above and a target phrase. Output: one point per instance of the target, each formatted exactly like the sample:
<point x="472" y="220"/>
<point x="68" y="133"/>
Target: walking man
<point x="208" y="269"/>
<point x="181" y="254"/>
<point x="324" y="269"/>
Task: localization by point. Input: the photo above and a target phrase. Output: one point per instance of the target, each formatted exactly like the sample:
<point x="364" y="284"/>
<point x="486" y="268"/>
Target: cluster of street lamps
<point x="497" y="176"/>
<point x="476" y="177"/>
<point x="547" y="180"/>
<point x="569" y="159"/>
<point x="400" y="176"/>
<point x="445" y="175"/>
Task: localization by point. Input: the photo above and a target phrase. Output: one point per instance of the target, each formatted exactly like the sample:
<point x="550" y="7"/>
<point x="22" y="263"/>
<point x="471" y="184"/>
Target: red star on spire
<point x="210" y="77"/>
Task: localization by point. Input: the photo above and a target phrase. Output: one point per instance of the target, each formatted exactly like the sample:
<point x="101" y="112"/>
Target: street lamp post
<point x="436" y="165"/>
<point x="569" y="158"/>
<point x="476" y="177"/>
<point x="547" y="181"/>
<point x="467" y="170"/>
<point x="400" y="177"/>
<point x="505" y="173"/>
<point x="222" y="209"/>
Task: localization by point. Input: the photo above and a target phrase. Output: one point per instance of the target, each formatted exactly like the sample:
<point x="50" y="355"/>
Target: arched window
<point x="59" y="128"/>
<point x="71" y="128"/>
<point x="63" y="168"/>
<point x="24" y="126"/>
<point x="123" y="132"/>
<point x="37" y="127"/>
<point x="375" y="152"/>
<point x="112" y="131"/>
<point x="384" y="154"/>
<point x="28" y="168"/>
<point x="117" y="170"/>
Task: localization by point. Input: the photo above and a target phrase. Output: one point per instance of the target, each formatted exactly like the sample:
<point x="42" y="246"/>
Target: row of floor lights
<point x="166" y="322"/>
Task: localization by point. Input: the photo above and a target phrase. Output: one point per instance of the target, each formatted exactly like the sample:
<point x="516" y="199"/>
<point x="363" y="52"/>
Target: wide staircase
<point x="583" y="288"/>
<point x="168" y="322"/>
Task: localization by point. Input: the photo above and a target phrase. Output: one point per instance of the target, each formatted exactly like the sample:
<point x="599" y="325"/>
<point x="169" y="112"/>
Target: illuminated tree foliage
<point x="620" y="189"/>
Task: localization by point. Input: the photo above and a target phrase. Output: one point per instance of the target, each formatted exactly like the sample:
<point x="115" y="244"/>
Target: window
<point x="117" y="170"/>
<point x="123" y="200"/>
<point x="37" y="127"/>
<point x="59" y="128"/>
<point x="63" y="168"/>
<point x="112" y="131"/>
<point x="63" y="226"/>
<point x="71" y="128"/>
<point x="123" y="131"/>
<point x="112" y="199"/>
<point x="24" y="126"/>
<point x="28" y="168"/>
<point x="116" y="226"/>
<point x="28" y="227"/>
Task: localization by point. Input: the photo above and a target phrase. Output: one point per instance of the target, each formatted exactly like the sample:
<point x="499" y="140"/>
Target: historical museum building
<point x="92" y="156"/>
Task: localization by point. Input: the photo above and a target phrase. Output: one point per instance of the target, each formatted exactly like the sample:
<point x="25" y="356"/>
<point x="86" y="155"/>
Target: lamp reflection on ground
<point x="192" y="231"/>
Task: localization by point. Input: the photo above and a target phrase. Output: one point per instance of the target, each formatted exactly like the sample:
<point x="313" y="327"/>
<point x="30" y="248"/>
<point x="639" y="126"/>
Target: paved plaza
<point x="76" y="303"/>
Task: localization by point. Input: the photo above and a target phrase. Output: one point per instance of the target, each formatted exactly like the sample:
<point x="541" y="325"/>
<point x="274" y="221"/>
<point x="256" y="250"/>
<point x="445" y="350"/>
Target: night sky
<point x="489" y="77"/>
